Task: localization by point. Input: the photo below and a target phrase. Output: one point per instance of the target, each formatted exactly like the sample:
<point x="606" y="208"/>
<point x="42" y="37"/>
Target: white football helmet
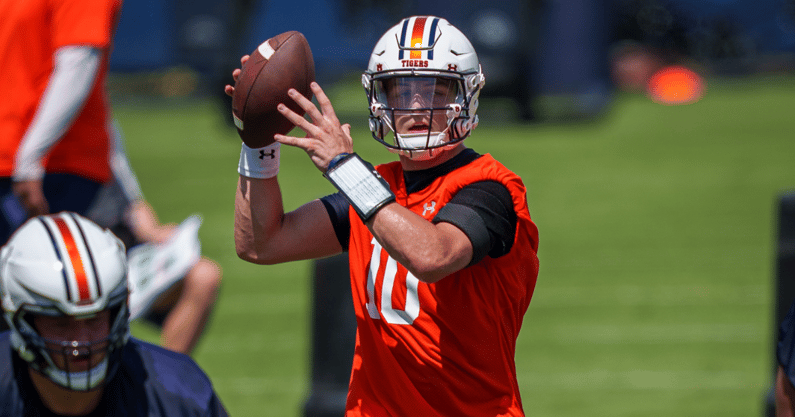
<point x="65" y="265"/>
<point x="422" y="83"/>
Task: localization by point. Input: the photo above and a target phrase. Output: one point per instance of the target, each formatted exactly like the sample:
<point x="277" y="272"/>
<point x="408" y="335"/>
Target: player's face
<point x="416" y="96"/>
<point x="75" y="344"/>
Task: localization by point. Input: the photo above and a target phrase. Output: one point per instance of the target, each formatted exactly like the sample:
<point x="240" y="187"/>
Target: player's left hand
<point x="31" y="195"/>
<point x="325" y="136"/>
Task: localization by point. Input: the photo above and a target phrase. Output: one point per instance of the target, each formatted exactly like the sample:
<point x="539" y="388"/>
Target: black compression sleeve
<point x="484" y="211"/>
<point x="337" y="207"/>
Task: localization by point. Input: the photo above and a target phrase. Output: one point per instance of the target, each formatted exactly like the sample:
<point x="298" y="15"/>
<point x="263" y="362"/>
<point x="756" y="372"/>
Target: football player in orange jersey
<point x="441" y="245"/>
<point x="54" y="115"/>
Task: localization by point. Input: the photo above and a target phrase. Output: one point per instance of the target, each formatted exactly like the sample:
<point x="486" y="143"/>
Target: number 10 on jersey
<point x="391" y="283"/>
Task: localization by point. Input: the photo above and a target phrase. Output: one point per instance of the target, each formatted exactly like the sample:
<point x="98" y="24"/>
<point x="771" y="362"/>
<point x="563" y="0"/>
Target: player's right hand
<point x="230" y="90"/>
<point x="325" y="136"/>
<point x="31" y="195"/>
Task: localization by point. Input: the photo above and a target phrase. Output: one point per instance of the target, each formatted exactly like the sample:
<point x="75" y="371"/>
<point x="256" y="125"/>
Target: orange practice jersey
<point x="27" y="62"/>
<point x="442" y="349"/>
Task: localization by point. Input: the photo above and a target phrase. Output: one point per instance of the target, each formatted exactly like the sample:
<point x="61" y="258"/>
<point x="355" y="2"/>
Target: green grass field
<point x="657" y="247"/>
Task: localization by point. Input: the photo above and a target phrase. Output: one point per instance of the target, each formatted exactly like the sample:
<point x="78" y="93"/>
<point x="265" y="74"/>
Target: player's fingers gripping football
<point x="325" y="103"/>
<point x="311" y="110"/>
<point x="299" y="121"/>
<point x="321" y="154"/>
<point x="326" y="138"/>
<point x="312" y="128"/>
<point x="313" y="133"/>
<point x="324" y="126"/>
<point x="228" y="89"/>
<point x="324" y="119"/>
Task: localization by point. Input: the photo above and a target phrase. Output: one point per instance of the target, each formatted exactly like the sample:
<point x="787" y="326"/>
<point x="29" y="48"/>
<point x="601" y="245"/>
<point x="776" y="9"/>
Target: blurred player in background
<point x="785" y="377"/>
<point x="54" y="112"/>
<point x="441" y="245"/>
<point x="69" y="351"/>
<point x="173" y="286"/>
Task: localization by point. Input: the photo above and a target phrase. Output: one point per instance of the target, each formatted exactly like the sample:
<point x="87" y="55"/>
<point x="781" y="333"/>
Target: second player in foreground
<point x="441" y="244"/>
<point x="69" y="351"/>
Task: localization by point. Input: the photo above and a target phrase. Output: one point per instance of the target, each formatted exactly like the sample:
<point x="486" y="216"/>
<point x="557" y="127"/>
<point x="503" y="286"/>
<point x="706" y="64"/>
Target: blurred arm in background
<point x="70" y="84"/>
<point x="181" y="309"/>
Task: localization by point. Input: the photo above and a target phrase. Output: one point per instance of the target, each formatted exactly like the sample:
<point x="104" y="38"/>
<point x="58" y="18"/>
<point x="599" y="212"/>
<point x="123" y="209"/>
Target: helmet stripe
<point x="58" y="255"/>
<point x="74" y="257"/>
<point x="416" y="37"/>
<point x="90" y="255"/>
<point x="403" y="38"/>
<point x="432" y="37"/>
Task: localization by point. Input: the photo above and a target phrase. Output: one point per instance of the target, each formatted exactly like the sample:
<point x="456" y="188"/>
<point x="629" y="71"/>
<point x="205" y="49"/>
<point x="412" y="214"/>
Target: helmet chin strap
<point x="421" y="141"/>
<point x="421" y="154"/>
<point x="421" y="147"/>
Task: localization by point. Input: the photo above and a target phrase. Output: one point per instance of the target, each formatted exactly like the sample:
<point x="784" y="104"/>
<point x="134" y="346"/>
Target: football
<point x="278" y="64"/>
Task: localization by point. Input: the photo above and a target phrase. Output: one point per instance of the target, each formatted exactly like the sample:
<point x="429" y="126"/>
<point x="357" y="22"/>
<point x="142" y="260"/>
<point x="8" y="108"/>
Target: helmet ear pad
<point x="377" y="126"/>
<point x="459" y="129"/>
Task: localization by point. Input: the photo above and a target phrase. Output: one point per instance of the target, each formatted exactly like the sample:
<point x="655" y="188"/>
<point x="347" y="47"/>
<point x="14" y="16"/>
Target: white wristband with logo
<point x="259" y="162"/>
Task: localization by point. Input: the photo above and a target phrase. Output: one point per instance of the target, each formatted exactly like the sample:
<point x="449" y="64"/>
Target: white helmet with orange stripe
<point x="57" y="273"/>
<point x="422" y="84"/>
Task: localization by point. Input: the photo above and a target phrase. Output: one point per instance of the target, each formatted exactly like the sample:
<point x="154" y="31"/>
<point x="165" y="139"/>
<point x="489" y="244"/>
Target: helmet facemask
<point x="423" y="111"/>
<point x="77" y="365"/>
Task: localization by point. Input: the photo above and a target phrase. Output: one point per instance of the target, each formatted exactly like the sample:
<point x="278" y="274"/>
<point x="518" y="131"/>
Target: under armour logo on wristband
<point x="254" y="164"/>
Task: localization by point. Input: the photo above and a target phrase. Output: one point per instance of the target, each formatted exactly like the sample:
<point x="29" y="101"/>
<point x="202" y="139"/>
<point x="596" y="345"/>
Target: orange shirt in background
<point x="30" y="33"/>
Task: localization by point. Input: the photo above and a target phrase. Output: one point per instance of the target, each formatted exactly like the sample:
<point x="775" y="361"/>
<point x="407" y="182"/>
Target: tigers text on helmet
<point x="63" y="266"/>
<point x="422" y="84"/>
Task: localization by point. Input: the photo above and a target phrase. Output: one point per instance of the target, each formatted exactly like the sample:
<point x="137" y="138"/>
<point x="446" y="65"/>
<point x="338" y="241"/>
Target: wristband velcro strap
<point x="361" y="184"/>
<point x="335" y="160"/>
<point x="259" y="162"/>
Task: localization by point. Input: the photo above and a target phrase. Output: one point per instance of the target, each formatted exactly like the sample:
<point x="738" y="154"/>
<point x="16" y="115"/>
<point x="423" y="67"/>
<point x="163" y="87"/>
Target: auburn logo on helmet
<point x="71" y="249"/>
<point x="421" y="39"/>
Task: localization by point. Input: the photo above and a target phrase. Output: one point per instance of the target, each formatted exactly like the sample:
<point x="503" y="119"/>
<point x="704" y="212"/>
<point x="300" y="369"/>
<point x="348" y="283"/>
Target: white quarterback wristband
<point x="259" y="162"/>
<point x="360" y="183"/>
